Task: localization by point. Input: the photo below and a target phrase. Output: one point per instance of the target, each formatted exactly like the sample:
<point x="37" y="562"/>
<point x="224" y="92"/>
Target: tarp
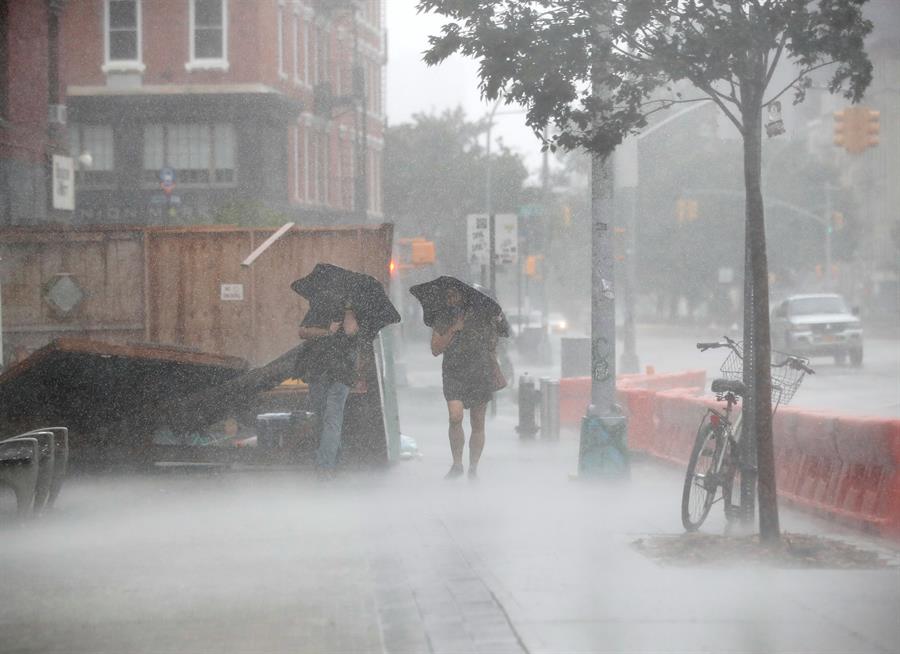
<point x="88" y="385"/>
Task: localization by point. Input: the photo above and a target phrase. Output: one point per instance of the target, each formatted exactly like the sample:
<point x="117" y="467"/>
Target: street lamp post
<point x="627" y="185"/>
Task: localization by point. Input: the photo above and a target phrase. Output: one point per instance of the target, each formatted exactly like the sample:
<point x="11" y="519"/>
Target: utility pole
<point x="626" y="191"/>
<point x="603" y="441"/>
<point x="361" y="180"/>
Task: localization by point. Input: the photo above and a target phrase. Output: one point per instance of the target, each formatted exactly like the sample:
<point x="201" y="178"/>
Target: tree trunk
<point x="759" y="340"/>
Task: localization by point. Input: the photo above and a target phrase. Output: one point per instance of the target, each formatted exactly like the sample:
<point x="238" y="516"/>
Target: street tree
<point x="434" y="174"/>
<point x="597" y="69"/>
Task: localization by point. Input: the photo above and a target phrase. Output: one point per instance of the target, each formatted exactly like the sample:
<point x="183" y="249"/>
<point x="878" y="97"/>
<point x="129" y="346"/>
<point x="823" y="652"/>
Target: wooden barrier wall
<point x="164" y="284"/>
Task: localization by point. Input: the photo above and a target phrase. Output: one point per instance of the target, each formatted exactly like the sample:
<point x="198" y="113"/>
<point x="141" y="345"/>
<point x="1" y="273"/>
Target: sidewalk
<point x="524" y="559"/>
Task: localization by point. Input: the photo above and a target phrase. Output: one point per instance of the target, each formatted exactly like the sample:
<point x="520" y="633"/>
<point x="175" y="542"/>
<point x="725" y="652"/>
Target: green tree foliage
<point x="434" y="175"/>
<point x="597" y="69"/>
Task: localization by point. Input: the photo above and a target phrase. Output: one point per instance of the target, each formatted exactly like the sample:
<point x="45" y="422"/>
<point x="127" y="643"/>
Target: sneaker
<point x="473" y="473"/>
<point x="456" y="470"/>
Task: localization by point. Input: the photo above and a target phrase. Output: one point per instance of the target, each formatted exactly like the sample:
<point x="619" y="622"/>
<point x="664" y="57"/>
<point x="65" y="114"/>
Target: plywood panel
<point x="185" y="270"/>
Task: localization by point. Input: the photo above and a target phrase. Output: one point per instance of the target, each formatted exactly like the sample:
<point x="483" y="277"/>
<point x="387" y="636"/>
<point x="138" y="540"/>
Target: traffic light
<point x="532" y="265"/>
<point x="856" y="129"/>
<point x="421" y="253"/>
<point x="685" y="211"/>
<point x="837" y="221"/>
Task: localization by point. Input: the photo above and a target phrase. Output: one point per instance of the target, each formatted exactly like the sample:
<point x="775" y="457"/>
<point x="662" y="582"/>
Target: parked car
<point x="818" y="325"/>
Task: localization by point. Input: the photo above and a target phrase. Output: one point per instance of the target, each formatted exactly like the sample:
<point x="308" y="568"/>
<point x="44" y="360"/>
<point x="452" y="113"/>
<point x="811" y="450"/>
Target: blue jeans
<point x="327" y="400"/>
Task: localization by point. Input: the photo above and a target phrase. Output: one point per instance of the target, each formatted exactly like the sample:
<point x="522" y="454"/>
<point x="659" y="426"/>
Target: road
<point x="525" y="559"/>
<point x="873" y="389"/>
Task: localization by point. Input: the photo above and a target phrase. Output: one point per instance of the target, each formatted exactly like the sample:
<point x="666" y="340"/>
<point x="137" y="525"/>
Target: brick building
<point x="254" y="107"/>
<point x="31" y="109"/>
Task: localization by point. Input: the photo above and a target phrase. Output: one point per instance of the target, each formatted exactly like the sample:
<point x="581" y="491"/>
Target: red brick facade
<point x="26" y="137"/>
<point x="143" y="69"/>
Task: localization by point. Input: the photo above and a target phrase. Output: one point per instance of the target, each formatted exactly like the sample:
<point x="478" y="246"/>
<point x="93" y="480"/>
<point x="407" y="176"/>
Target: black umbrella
<point x="334" y="285"/>
<point x="433" y="297"/>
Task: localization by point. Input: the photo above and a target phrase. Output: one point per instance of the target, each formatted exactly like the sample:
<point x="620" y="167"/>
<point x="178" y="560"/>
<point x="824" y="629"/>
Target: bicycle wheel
<point x="701" y="481"/>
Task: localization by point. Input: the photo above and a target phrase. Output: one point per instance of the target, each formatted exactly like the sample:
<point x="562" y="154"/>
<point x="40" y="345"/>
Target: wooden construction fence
<point x="174" y="286"/>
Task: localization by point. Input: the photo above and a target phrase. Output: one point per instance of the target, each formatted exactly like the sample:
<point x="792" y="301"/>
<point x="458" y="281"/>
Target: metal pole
<point x="361" y="190"/>
<point x="627" y="177"/>
<point x="602" y="448"/>
<point x="828" y="228"/>
<point x="747" y="447"/>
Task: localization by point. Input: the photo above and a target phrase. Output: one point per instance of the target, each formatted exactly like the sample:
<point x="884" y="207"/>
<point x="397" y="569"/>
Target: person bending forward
<point x="468" y="342"/>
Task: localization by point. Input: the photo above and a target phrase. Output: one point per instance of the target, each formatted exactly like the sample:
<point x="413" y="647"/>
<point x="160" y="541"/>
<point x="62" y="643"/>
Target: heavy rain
<point x="426" y="326"/>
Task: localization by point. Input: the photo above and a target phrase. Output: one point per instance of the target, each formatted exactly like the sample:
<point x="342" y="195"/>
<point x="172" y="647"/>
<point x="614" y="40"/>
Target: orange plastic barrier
<point x="843" y="468"/>
<point x="575" y="392"/>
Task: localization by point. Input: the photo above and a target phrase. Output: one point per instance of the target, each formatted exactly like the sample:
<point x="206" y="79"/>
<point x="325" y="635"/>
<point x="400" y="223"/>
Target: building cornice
<point x="171" y="89"/>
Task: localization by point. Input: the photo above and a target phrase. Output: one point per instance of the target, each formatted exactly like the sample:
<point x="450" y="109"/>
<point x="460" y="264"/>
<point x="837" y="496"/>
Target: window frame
<point x="279" y="22"/>
<point x="206" y="63"/>
<point x="90" y="178"/>
<point x="146" y="183"/>
<point x="123" y="65"/>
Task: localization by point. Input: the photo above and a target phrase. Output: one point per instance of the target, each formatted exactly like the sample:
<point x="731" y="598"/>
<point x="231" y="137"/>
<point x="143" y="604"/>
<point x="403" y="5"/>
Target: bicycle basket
<point x="786" y="379"/>
<point x="733" y="366"/>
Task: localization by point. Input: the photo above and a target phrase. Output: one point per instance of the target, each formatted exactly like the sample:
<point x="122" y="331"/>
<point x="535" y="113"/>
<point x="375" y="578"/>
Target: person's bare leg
<point x="457" y="436"/>
<point x="476" y="439"/>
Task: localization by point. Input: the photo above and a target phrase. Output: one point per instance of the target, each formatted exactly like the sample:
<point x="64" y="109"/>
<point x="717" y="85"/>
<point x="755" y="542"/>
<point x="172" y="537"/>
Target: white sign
<point x="478" y="238"/>
<point x="232" y="292"/>
<point x="506" y="238"/>
<point x="63" y="183"/>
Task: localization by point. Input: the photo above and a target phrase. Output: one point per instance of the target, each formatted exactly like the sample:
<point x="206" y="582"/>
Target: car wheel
<point x="856" y="357"/>
<point x="840" y="358"/>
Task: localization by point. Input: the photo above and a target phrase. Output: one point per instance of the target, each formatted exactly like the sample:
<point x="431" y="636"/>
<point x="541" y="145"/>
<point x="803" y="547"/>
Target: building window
<point x="97" y="141"/>
<point x="280" y="21"/>
<point x="208" y="34"/>
<point x="122" y="36"/>
<point x="201" y="154"/>
<point x="321" y="63"/>
<point x="297" y="40"/>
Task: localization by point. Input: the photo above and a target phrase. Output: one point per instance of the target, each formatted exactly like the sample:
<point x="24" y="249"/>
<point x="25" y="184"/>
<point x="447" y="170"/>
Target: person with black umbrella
<point x="346" y="308"/>
<point x="466" y="324"/>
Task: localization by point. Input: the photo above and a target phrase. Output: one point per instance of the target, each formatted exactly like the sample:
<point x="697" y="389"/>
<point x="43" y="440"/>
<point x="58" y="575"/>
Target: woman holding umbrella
<point x="465" y="326"/>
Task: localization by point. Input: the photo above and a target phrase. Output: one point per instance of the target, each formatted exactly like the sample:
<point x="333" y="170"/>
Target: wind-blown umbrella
<point x="433" y="297"/>
<point x="332" y="284"/>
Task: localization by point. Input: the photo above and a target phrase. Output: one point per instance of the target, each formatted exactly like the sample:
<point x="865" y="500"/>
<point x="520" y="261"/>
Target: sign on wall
<point x="63" y="183"/>
<point x="232" y="292"/>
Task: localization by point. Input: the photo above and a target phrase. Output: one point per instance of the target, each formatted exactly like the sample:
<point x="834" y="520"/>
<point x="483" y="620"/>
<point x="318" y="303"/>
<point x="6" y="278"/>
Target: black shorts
<point x="465" y="391"/>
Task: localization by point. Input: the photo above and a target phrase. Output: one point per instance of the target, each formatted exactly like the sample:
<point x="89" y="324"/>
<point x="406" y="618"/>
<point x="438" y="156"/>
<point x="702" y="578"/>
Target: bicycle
<point x="713" y="464"/>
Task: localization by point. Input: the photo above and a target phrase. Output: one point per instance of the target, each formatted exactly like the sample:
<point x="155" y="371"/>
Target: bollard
<point x="543" y="383"/>
<point x="549" y="408"/>
<point x="528" y="399"/>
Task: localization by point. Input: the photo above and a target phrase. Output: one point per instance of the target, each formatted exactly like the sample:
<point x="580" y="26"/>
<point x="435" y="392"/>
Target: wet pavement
<point x="526" y="558"/>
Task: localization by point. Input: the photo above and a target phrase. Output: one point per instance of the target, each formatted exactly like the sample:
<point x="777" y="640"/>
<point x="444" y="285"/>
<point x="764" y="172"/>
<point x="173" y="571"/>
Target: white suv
<point x="818" y="325"/>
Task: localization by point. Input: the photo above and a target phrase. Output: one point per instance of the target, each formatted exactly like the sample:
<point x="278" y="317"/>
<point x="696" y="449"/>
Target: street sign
<point x="506" y="238"/>
<point x="165" y="199"/>
<point x="63" y="183"/>
<point x="478" y="238"/>
<point x="167" y="180"/>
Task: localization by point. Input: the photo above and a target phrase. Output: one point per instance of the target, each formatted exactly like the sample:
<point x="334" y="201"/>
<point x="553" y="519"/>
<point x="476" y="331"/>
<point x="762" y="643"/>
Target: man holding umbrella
<point x="345" y="309"/>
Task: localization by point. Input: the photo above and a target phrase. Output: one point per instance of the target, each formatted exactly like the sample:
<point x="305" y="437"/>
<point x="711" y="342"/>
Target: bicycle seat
<point x="729" y="386"/>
